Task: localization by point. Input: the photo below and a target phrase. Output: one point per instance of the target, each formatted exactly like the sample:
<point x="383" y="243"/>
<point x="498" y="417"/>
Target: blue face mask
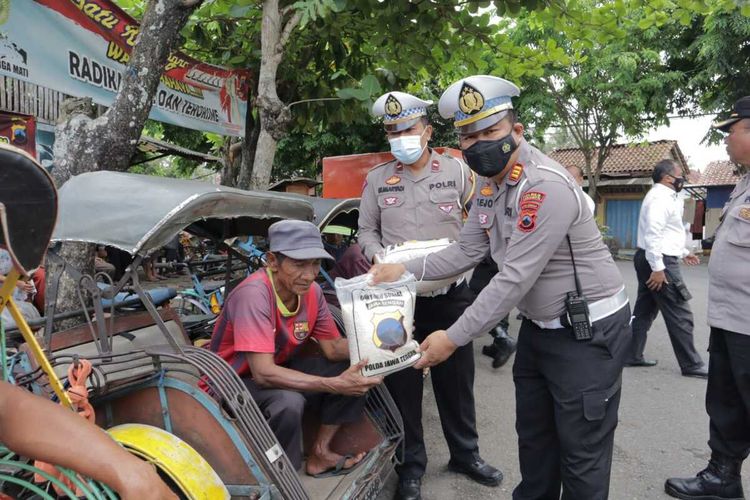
<point x="407" y="148"/>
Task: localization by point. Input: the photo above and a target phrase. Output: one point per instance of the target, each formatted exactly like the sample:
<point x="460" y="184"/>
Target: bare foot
<point x="317" y="464"/>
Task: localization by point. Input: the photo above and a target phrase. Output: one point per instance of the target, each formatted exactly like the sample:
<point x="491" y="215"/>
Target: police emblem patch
<point x="529" y="207"/>
<point x="394" y="179"/>
<point x="391" y="200"/>
<point x="447" y="207"/>
<point x="392" y="106"/>
<point x="301" y="330"/>
<point x="744" y="213"/>
<point x="483" y="218"/>
<point x="486" y="190"/>
<point x="470" y="100"/>
<point x="435" y="166"/>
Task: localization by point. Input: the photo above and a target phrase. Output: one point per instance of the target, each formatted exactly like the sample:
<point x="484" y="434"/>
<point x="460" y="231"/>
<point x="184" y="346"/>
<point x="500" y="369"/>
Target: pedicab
<point x="145" y="376"/>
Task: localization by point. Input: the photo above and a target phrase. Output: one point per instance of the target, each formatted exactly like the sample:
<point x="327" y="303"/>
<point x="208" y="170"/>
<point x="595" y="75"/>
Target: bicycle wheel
<point x="186" y="305"/>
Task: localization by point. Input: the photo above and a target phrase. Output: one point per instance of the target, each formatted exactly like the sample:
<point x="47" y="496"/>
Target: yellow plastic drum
<point x="190" y="471"/>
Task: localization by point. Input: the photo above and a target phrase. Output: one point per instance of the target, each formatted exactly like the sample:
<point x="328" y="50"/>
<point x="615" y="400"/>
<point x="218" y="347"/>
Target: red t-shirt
<point x="253" y="319"/>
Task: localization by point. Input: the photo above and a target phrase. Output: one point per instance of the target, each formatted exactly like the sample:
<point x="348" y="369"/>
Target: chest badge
<point x="446" y="207"/>
<point x="390" y="200"/>
<point x="744" y="213"/>
<point x="392" y="180"/>
<point x="486" y="190"/>
<point x="435" y="166"/>
<point x="483" y="218"/>
<point x="301" y="330"/>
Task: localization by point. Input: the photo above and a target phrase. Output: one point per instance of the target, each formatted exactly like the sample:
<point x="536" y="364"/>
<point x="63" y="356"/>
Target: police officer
<point x="728" y="390"/>
<point x="421" y="195"/>
<point x="531" y="216"/>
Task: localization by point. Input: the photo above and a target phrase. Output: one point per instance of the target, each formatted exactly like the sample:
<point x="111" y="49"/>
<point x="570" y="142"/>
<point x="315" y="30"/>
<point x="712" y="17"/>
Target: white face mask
<point x="407" y="148"/>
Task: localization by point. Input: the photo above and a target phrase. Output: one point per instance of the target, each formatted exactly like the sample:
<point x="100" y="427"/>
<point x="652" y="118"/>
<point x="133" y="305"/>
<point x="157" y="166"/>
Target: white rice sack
<point x="379" y="321"/>
<point x="408" y="250"/>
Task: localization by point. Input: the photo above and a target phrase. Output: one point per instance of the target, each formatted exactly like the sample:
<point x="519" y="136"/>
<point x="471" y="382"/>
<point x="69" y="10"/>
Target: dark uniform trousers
<point x="676" y="312"/>
<point x="728" y="393"/>
<point x="453" y="384"/>
<point x="284" y="408"/>
<point x="567" y="397"/>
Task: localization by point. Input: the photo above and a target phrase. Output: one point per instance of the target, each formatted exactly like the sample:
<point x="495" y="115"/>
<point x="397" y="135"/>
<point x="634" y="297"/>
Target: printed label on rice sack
<point x="379" y="323"/>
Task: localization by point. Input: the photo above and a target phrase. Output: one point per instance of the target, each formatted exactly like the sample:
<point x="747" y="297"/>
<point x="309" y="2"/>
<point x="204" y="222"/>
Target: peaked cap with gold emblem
<point x="477" y="102"/>
<point x="399" y="110"/>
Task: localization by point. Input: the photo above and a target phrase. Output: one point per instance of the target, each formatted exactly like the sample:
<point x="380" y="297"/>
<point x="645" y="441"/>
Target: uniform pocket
<point x="595" y="403"/>
<point x="390" y="201"/>
<point x="446" y="202"/>
<point x="738" y="232"/>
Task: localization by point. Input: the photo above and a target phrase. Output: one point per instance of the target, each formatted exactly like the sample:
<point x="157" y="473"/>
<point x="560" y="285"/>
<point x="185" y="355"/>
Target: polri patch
<point x="446" y="207"/>
<point x="483" y="218"/>
<point x="391" y="200"/>
<point x="394" y="179"/>
<point x="301" y="330"/>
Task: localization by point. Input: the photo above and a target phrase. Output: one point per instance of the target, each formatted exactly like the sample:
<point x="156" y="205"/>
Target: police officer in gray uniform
<point x="728" y="389"/>
<point x="421" y="195"/>
<point x="530" y="214"/>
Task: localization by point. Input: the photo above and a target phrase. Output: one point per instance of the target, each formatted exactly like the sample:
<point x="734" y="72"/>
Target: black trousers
<point x="284" y="408"/>
<point x="676" y="312"/>
<point x="567" y="397"/>
<point x="480" y="278"/>
<point x="728" y="393"/>
<point x="452" y="381"/>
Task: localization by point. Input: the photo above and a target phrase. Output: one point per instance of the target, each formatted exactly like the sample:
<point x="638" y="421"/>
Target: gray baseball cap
<point x="297" y="239"/>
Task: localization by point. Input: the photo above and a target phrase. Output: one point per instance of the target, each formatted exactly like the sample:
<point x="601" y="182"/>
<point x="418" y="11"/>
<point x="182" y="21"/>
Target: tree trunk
<point x="85" y="144"/>
<point x="249" y="147"/>
<point x="274" y="115"/>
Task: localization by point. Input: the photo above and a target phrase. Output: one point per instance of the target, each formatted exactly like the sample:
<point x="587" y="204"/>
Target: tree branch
<point x="289" y="27"/>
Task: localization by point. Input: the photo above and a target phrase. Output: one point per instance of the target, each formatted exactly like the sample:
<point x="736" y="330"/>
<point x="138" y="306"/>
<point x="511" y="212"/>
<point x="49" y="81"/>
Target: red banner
<point x="19" y="131"/>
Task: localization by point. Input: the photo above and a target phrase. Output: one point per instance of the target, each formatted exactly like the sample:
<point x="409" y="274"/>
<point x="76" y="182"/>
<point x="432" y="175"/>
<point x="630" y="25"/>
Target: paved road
<point x="663" y="424"/>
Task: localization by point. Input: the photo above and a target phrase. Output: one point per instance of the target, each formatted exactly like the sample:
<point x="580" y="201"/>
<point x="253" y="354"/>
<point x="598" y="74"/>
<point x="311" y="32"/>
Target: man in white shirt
<point x="577" y="174"/>
<point x="661" y="244"/>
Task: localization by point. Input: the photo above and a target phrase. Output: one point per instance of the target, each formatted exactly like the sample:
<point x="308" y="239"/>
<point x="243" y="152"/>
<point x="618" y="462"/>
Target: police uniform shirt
<point x="399" y="205"/>
<point x="729" y="265"/>
<point x="523" y="222"/>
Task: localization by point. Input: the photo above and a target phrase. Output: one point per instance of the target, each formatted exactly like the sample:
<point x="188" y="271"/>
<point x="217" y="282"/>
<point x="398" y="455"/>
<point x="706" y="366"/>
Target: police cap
<point x="740" y="110"/>
<point x="399" y="110"/>
<point x="477" y="102"/>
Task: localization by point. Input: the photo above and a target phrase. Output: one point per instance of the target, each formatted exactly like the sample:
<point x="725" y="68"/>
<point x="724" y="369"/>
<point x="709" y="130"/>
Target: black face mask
<point x="489" y="158"/>
<point x="677" y="183"/>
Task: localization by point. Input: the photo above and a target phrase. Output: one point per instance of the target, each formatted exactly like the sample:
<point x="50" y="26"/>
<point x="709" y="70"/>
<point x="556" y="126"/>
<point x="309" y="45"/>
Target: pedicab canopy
<point x="141" y="213"/>
<point x="335" y="211"/>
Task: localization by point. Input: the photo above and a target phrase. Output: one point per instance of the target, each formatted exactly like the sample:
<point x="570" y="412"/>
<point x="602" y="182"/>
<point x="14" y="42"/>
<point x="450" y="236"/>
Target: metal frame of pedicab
<point x="155" y="383"/>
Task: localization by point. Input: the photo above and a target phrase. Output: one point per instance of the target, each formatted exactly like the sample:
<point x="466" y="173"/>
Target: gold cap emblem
<point x="392" y="106"/>
<point x="470" y="100"/>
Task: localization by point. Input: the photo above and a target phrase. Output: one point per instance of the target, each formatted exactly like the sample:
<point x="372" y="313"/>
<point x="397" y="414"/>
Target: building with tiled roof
<point x="714" y="187"/>
<point x="719" y="173"/>
<point x="624" y="181"/>
<point x="626" y="160"/>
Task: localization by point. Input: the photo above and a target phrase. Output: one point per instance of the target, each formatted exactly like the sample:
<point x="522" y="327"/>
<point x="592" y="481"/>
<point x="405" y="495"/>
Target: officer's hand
<point x="353" y="383"/>
<point x="691" y="260"/>
<point x="141" y="482"/>
<point x="386" y="273"/>
<point x="656" y="281"/>
<point x="435" y="349"/>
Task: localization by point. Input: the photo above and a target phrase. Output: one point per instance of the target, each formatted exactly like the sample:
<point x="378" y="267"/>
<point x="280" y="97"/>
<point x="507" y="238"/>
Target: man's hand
<point x="25" y="286"/>
<point x="353" y="383"/>
<point x="386" y="273"/>
<point x="435" y="349"/>
<point x="691" y="260"/>
<point x="141" y="482"/>
<point x="656" y="281"/>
